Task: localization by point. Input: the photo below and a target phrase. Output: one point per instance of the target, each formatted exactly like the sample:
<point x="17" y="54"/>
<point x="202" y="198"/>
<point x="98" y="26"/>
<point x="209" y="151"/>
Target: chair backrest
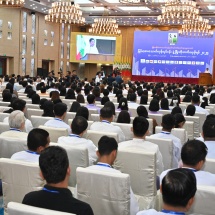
<point x="95" y="117"/>
<point x="204" y="201"/>
<point x="133" y="112"/>
<point x="126" y="129"/>
<point x="95" y="136"/>
<point x="183" y="107"/>
<point x="39" y="120"/>
<point x="4" y="108"/>
<point x="33" y="106"/>
<point x="55" y="133"/>
<point x="141" y="166"/>
<point x="166" y="149"/>
<point x="18" y="179"/>
<point x="9" y="146"/>
<point x="69" y="115"/>
<point x="212" y="109"/>
<point x="34" y="112"/>
<point x="15" y="208"/>
<point x="78" y="157"/>
<point x="68" y="102"/>
<point x="157" y="117"/>
<point x="4" y="103"/>
<point x="196" y="121"/>
<point x="189" y="127"/>
<point x="113" y="198"/>
<point x="4" y="127"/>
<point x="209" y="165"/>
<point x="202" y="117"/>
<point x="92" y="111"/>
<point x="3" y="115"/>
<point x="164" y="112"/>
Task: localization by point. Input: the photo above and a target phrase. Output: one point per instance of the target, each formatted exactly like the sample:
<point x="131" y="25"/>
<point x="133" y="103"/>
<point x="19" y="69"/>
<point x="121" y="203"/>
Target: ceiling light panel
<point x="135" y="8"/>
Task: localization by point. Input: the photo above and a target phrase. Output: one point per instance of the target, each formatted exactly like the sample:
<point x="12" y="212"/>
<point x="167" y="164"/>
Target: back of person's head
<point x="83" y="111"/>
<point x="6" y="97"/>
<point x="208" y="127"/>
<point x="205" y="102"/>
<point x="193" y="152"/>
<point x="140" y="92"/>
<point x="140" y="126"/>
<point x="43" y="89"/>
<point x="168" y="122"/>
<point x="70" y="94"/>
<point x="55" y="101"/>
<point x="35" y="99"/>
<point x="124" y="117"/>
<point x="19" y="104"/>
<point x="48" y="109"/>
<point x="91" y="98"/>
<point x="110" y="105"/>
<point x="104" y="100"/>
<point x="105" y="92"/>
<point x="38" y="139"/>
<point x="169" y="94"/>
<point x="60" y="109"/>
<point x="79" y="125"/>
<point x="190" y="110"/>
<point x="187" y="98"/>
<point x="154" y="105"/>
<point x="178" y="187"/>
<point x="176" y="110"/>
<point x="96" y="91"/>
<point x="86" y="91"/>
<point x="24" y="83"/>
<point x="9" y="86"/>
<point x="143" y="100"/>
<point x="16" y="119"/>
<point x="141" y="111"/>
<point x="123" y="104"/>
<point x="42" y="101"/>
<point x="132" y="97"/>
<point x="106" y="145"/>
<point x="106" y="113"/>
<point x="164" y="104"/>
<point x="80" y="98"/>
<point x="54" y="163"/>
<point x="179" y="120"/>
<point x="55" y="95"/>
<point x="195" y="99"/>
<point x="74" y="107"/>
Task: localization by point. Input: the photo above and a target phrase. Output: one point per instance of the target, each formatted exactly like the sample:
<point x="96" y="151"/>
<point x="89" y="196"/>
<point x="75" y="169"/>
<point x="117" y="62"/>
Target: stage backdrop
<point x="165" y="55"/>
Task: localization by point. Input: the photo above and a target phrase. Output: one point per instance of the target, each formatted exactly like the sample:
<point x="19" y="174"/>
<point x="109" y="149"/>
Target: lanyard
<point x="165" y="132"/>
<point x="104" y="164"/>
<point x="74" y="135"/>
<point x="106" y="121"/>
<point x="58" y="119"/>
<point x="15" y="129"/>
<point x="191" y="169"/>
<point x="50" y="191"/>
<point x="32" y="152"/>
<point x="172" y="212"/>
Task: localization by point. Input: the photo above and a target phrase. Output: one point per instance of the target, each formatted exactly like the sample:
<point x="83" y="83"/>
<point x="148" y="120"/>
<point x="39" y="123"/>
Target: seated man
<point x="178" y="190"/>
<point x="91" y="103"/>
<point x="60" y="110"/>
<point x="79" y="126"/>
<point x="107" y="151"/>
<point x="54" y="167"/>
<point x="168" y="123"/>
<point x="38" y="140"/>
<point x="17" y="126"/>
<point x="140" y="131"/>
<point x="106" y="117"/>
<point x="193" y="156"/>
<point x="132" y="98"/>
<point x="20" y="104"/>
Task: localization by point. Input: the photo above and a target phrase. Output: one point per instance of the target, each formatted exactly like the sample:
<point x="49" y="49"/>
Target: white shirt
<point x="92" y="50"/>
<point x="108" y="127"/>
<point x="199" y="110"/>
<point x="203" y="178"/>
<point x="76" y="140"/>
<point x="211" y="148"/>
<point x="26" y="156"/>
<point x="28" y="124"/>
<point x="58" y="123"/>
<point x="15" y="134"/>
<point x="98" y="79"/>
<point x="147" y="146"/>
<point x="134" y="208"/>
<point x="151" y="212"/>
<point x="21" y="90"/>
<point x="176" y="145"/>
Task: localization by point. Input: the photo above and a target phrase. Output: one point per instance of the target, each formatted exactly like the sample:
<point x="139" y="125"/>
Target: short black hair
<point x="142" y="111"/>
<point x="83" y="111"/>
<point x="209" y="127"/>
<point x="195" y="98"/>
<point x="110" y="105"/>
<point x="79" y="125"/>
<point x="105" y="92"/>
<point x="140" y="126"/>
<point x="54" y="162"/>
<point x="178" y="119"/>
<point x="193" y="151"/>
<point x="190" y="110"/>
<point x="106" y="145"/>
<point x="178" y="187"/>
<point x="176" y="110"/>
<point x="91" y="98"/>
<point x="35" y="99"/>
<point x="37" y="137"/>
<point x="168" y="121"/>
<point x="104" y="100"/>
<point x="106" y="113"/>
<point x="7" y="96"/>
<point x="19" y="104"/>
<point x="132" y="97"/>
<point x="154" y="105"/>
<point x="91" y="39"/>
<point x="60" y="109"/>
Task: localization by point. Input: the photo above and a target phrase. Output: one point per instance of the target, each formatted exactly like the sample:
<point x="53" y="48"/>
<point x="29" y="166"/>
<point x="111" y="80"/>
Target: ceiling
<point x="144" y="13"/>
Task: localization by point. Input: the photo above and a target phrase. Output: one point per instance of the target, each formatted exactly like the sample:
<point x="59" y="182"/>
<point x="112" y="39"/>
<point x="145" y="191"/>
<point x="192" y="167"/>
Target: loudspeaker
<point x="40" y="72"/>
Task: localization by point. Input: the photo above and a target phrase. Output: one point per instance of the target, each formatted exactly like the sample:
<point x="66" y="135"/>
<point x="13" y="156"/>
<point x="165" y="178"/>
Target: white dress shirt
<point x="147" y="146"/>
<point x="151" y="212"/>
<point x="134" y="208"/>
<point x="76" y="140"/>
<point x="93" y="107"/>
<point x="176" y="145"/>
<point x="27" y="156"/>
<point x="203" y="178"/>
<point x="58" y="123"/>
<point x="28" y="124"/>
<point x="211" y="148"/>
<point x="108" y="127"/>
<point x="98" y="79"/>
<point x="15" y="133"/>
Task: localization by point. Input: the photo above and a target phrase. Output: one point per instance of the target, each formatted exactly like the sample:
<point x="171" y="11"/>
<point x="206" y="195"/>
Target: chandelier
<point x="65" y="12"/>
<point x="129" y="1"/>
<point x="196" y="28"/>
<point x="175" y="11"/>
<point x="104" y="26"/>
<point x="12" y="3"/>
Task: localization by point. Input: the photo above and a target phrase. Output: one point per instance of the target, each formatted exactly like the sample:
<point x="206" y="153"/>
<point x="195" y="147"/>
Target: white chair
<point x="146" y="106"/>
<point x="166" y="149"/>
<point x="141" y="166"/>
<point x="4" y="127"/>
<point x="33" y="106"/>
<point x="9" y="146"/>
<point x="3" y="115"/>
<point x="95" y="136"/>
<point x="55" y="133"/>
<point x="126" y="129"/>
<point x="78" y="157"/>
<point x="212" y="109"/>
<point x="209" y="165"/>
<point x="69" y="115"/>
<point x="92" y="111"/>
<point x="68" y="102"/>
<point x="164" y="112"/>
<point x="34" y="112"/>
<point x="95" y="117"/>
<point x="189" y="127"/>
<point x="183" y="107"/>
<point x="39" y="120"/>
<point x="202" y="117"/>
<point x="133" y="112"/>
<point x="106" y="192"/>
<point x="100" y="106"/>
<point x="196" y="121"/>
<point x="89" y="123"/>
<point x="4" y="103"/>
<point x="157" y="117"/>
<point x="15" y="208"/>
<point x="4" y="108"/>
<point x="18" y="179"/>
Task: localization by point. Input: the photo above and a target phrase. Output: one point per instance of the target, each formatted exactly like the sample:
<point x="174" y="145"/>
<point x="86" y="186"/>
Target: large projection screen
<point x="167" y="54"/>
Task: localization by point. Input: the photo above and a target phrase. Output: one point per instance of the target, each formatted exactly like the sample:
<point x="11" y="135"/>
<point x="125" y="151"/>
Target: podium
<point x="205" y="79"/>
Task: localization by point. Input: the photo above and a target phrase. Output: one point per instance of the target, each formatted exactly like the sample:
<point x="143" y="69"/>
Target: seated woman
<point x="80" y="99"/>
<point x="70" y="94"/>
<point x="104" y="100"/>
<point x="35" y="99"/>
<point x="154" y="106"/>
<point x="176" y="110"/>
<point x="164" y="104"/>
<point x="83" y="111"/>
<point x="179" y="120"/>
<point x="48" y="109"/>
<point x="143" y="100"/>
<point x="123" y="104"/>
<point x="74" y="107"/>
<point x="205" y="102"/>
<point x="190" y="110"/>
<point x="123" y="117"/>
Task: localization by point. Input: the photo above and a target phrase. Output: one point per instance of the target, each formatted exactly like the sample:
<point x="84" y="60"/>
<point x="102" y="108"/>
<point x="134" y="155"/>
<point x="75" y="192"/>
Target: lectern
<point x="205" y="79"/>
